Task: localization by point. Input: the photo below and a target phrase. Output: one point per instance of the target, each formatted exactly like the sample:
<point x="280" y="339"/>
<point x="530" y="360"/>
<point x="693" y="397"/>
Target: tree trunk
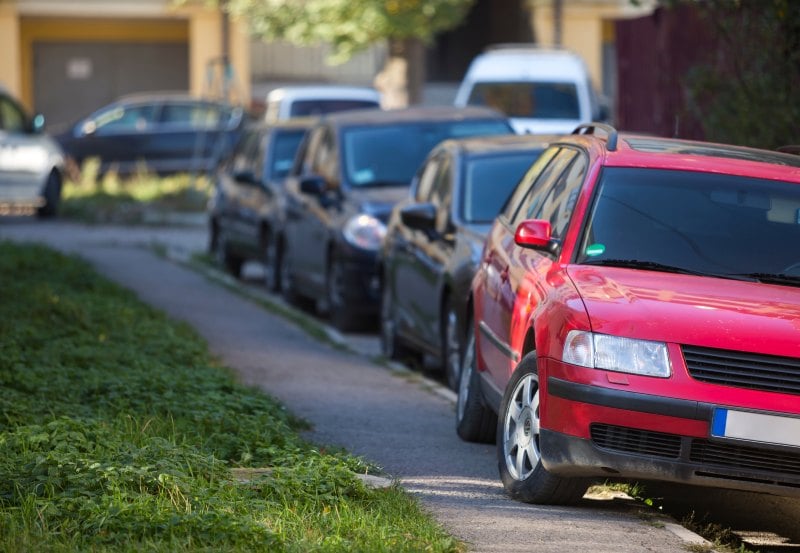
<point x="403" y="75"/>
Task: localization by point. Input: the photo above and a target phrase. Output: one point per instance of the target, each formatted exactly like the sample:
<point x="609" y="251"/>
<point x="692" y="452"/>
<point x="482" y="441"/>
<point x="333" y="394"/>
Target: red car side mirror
<point x="535" y="234"/>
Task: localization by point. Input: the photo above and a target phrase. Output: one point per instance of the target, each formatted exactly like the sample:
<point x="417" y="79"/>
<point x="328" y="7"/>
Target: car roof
<point x="324" y="92"/>
<point x="410" y="115"/>
<point x="478" y="145"/>
<point x="624" y="149"/>
<point x="158" y="97"/>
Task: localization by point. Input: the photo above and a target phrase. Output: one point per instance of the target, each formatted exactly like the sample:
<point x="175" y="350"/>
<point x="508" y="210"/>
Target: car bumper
<point x="20" y="197"/>
<point x="614" y="433"/>
<point x="361" y="283"/>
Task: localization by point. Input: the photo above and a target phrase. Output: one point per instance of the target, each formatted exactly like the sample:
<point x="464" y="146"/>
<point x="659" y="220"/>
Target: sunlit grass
<point x="138" y="198"/>
<point x="118" y="432"/>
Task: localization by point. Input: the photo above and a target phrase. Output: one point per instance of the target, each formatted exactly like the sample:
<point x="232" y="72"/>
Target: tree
<point x="350" y="26"/>
<point x="749" y="92"/>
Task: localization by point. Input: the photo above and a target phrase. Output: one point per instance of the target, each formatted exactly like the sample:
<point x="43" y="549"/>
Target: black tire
<point x="225" y="258"/>
<point x="272" y="265"/>
<point x="391" y="346"/>
<point x="518" y="455"/>
<point x="341" y="315"/>
<point x="475" y="421"/>
<point x="52" y="196"/>
<point x="452" y="345"/>
<point x="288" y="290"/>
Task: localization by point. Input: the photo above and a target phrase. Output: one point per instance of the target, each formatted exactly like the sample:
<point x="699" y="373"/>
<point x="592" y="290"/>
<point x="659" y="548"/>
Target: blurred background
<point x="717" y="70"/>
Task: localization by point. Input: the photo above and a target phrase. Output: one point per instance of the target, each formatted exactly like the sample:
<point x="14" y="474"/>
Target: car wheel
<point x="52" y="196"/>
<point x="272" y="267"/>
<point x="475" y="421"/>
<point x="391" y="347"/>
<point x="451" y="348"/>
<point x="341" y="315"/>
<point x="224" y="258"/>
<point x="518" y="453"/>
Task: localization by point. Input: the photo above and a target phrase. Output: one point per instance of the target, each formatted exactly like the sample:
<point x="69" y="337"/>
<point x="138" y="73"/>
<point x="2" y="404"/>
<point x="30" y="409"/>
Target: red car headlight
<point x="614" y="353"/>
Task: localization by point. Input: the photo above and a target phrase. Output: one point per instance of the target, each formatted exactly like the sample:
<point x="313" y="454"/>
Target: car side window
<point x="512" y="204"/>
<point x="190" y="115"/>
<point x="12" y="119"/>
<point x="532" y="203"/>
<point x="123" y="119"/>
<point x="560" y="199"/>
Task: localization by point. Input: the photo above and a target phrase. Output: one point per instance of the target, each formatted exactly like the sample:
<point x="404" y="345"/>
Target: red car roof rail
<point x="591" y="128"/>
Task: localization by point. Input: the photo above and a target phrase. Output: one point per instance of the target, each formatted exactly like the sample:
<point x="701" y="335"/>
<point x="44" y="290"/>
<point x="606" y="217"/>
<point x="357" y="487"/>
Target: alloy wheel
<point x="521" y="429"/>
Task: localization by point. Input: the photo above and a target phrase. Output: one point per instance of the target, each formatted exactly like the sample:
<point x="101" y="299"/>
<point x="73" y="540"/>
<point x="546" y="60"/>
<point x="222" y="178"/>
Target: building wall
<point x="24" y="24"/>
<point x="586" y="29"/>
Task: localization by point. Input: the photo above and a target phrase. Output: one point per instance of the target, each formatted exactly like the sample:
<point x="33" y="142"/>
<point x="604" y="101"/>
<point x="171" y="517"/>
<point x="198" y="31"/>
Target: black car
<point x="353" y="167"/>
<point x="434" y="240"/>
<point x="245" y="214"/>
<point x="162" y="133"/>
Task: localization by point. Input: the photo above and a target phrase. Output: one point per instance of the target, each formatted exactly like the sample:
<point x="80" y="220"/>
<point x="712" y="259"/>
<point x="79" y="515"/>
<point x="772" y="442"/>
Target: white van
<point x="314" y="100"/>
<point x="543" y="91"/>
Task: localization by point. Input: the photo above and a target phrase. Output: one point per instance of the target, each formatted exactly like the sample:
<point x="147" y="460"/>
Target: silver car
<point x="31" y="163"/>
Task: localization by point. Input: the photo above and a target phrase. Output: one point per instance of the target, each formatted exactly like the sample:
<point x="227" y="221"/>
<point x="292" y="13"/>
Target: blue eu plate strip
<point x="719" y="421"/>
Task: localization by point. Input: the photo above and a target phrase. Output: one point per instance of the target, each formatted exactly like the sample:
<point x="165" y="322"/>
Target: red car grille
<point x="632" y="440"/>
<point x="744" y="370"/>
<point x="750" y="458"/>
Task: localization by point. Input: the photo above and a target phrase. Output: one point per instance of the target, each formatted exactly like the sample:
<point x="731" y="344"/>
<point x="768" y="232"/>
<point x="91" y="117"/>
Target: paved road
<point x="390" y="417"/>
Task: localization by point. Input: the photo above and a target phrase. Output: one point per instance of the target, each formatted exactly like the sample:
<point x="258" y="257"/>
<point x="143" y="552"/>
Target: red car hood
<point x="700" y="311"/>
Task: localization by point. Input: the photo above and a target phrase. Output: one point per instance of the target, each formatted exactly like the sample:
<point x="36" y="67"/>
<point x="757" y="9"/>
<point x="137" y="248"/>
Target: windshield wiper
<point x="770" y="278"/>
<point x="655" y="266"/>
<point x="646" y="265"/>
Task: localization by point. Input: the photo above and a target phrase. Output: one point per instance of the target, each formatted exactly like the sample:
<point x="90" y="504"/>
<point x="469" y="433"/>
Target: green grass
<point x="119" y="432"/>
<point x="139" y="199"/>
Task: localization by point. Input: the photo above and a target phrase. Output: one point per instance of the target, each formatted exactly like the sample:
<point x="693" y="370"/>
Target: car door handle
<point x="504" y="274"/>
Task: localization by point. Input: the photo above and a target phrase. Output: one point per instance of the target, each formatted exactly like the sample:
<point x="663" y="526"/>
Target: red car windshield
<point x="694" y="222"/>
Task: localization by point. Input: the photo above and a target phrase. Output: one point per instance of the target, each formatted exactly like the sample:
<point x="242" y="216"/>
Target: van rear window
<point x="538" y="100"/>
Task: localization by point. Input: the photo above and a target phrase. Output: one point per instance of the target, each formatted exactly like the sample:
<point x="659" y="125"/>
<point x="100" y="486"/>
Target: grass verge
<point x="119" y="432"/>
<point x="141" y="198"/>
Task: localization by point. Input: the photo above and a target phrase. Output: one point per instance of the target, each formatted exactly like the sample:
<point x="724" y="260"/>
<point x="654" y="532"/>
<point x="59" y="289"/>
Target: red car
<point x="637" y="316"/>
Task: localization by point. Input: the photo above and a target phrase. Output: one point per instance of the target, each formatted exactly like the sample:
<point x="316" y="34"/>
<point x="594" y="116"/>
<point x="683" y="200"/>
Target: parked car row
<point x="333" y="205"/>
<point x="607" y="305"/>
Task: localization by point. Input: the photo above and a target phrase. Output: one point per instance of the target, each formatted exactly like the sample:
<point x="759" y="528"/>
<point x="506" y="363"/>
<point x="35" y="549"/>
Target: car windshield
<point x="303" y="108"/>
<point x="389" y="155"/>
<point x="539" y="100"/>
<point x="488" y="181"/>
<point x="697" y="223"/>
<point x="284" y="147"/>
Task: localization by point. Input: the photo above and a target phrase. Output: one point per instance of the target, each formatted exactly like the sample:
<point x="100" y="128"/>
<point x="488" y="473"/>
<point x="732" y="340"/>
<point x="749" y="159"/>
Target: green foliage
<point x="349" y="25"/>
<point x="139" y="198"/>
<point x="749" y="90"/>
<point x="118" y="432"/>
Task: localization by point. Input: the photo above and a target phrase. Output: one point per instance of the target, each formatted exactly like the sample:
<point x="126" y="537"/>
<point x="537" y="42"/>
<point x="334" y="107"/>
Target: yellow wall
<point x="198" y="27"/>
<point x="585" y="27"/>
<point x="10" y="64"/>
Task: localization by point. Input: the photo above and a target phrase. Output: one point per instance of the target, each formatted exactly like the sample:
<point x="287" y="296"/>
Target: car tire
<point x="341" y="315"/>
<point x="225" y="258"/>
<point x="288" y="291"/>
<point x="52" y="196"/>
<point x="391" y="346"/>
<point x="475" y="421"/>
<point x="518" y="455"/>
<point x="272" y="265"/>
<point x="452" y="347"/>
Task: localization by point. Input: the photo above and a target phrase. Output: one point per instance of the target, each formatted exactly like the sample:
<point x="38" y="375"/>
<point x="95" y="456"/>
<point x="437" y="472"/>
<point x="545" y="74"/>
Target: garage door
<point x="72" y="79"/>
